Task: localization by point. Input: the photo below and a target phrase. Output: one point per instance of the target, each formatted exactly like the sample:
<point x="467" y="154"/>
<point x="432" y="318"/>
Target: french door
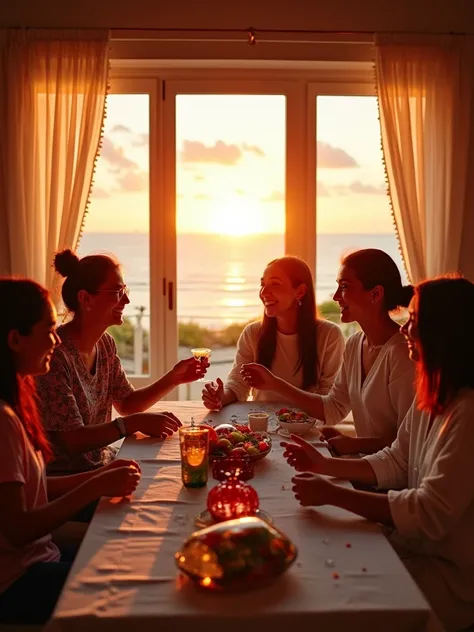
<point x="201" y="182"/>
<point x="235" y="197"/>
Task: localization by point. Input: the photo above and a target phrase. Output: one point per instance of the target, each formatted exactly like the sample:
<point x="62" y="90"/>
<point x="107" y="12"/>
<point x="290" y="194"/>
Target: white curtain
<point x="425" y="88"/>
<point x="53" y="88"/>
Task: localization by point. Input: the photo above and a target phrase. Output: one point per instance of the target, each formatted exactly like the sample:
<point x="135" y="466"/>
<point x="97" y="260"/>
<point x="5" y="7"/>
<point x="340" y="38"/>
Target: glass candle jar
<point x="194" y="445"/>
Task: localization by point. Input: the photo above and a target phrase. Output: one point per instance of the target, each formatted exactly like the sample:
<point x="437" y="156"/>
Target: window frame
<point x="162" y="82"/>
<point x="136" y="84"/>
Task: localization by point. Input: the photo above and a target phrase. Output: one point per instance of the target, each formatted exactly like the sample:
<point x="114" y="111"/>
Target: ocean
<point x="219" y="276"/>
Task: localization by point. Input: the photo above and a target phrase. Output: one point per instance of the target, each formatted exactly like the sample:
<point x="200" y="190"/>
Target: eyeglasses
<point x="120" y="293"/>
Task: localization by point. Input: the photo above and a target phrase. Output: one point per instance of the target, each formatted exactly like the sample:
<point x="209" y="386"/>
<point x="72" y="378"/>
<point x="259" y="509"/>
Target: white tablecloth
<point x="125" y="577"/>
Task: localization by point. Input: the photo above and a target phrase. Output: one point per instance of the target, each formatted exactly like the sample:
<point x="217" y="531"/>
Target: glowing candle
<point x="194" y="444"/>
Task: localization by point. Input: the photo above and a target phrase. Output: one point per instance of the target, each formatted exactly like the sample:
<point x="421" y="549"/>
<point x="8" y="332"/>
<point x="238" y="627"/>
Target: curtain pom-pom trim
<point x="97" y="152"/>
<point x="386" y="178"/>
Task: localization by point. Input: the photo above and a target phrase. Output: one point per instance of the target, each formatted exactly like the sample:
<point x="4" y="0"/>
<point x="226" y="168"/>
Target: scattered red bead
<point x="364" y="570"/>
<point x="335" y="575"/>
<point x="348" y="545"/>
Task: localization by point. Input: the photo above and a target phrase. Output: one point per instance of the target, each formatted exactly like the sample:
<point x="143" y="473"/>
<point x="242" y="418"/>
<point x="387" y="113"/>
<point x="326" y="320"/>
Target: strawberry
<point x="263" y="446"/>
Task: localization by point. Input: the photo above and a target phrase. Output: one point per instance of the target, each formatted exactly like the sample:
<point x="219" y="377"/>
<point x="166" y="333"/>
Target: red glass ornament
<point x="232" y="499"/>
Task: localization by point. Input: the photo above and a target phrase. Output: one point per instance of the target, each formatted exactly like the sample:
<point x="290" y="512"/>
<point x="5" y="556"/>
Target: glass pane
<point x="118" y="218"/>
<point x="353" y="208"/>
<point x="230" y="183"/>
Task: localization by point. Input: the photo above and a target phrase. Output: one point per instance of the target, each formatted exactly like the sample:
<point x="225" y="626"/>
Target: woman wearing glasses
<point x="86" y="377"/>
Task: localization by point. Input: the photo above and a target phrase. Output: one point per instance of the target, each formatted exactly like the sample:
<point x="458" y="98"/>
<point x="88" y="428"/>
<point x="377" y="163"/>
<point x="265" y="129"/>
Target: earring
<point x="88" y="309"/>
<point x="299" y="302"/>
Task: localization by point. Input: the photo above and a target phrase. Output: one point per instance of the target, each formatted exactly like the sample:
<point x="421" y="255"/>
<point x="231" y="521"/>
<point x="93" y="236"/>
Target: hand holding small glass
<point x="191" y="369"/>
<point x="202" y="355"/>
<point x="258" y="376"/>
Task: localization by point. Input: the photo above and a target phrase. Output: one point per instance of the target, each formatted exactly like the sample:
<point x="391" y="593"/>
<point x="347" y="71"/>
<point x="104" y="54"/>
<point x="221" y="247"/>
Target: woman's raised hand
<point x="258" y="376"/>
<point x="189" y="370"/>
<point x="213" y="395"/>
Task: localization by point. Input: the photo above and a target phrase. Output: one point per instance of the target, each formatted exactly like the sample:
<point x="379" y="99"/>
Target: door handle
<point x="170" y="296"/>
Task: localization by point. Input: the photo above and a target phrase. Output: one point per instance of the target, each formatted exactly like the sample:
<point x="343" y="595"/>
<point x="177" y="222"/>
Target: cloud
<point x="275" y="196"/>
<point x="367" y="189"/>
<point x="330" y="157"/>
<point x="254" y="149"/>
<point x="99" y="194"/>
<point x="359" y="188"/>
<point x="220" y="152"/>
<point x="121" y="129"/>
<point x="322" y="190"/>
<point x="354" y="188"/>
<point x="133" y="181"/>
<point x="325" y="190"/>
<point x="141" y="140"/>
<point x="114" y="155"/>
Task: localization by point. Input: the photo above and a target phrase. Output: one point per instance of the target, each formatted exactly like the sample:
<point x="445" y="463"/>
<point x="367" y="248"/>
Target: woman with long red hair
<point x="31" y="505"/>
<point x="429" y="508"/>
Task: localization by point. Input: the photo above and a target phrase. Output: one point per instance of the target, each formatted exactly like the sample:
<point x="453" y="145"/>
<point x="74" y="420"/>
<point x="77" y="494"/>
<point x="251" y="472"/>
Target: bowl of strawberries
<point x="295" y="421"/>
<point x="234" y="440"/>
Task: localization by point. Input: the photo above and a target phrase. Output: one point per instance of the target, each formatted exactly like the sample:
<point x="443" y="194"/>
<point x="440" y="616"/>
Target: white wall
<point x="331" y="15"/>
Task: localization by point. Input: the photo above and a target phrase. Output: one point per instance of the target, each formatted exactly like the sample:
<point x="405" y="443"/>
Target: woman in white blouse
<point x="428" y="468"/>
<point x="298" y="346"/>
<point x="377" y="376"/>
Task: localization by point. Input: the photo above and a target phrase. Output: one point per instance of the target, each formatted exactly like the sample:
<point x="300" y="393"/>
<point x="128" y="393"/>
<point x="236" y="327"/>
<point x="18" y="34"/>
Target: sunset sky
<point x="231" y="166"/>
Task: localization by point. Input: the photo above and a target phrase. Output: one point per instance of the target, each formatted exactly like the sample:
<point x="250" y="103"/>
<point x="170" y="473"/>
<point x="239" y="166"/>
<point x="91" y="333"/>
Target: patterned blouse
<point x="71" y="396"/>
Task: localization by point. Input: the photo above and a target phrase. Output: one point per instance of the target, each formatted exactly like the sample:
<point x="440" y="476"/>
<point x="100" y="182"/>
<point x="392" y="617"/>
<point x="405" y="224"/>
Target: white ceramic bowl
<point x="298" y="427"/>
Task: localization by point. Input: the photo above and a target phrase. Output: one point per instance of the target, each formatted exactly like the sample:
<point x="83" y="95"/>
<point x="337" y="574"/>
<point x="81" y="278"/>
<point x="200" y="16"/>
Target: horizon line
<point x="139" y="232"/>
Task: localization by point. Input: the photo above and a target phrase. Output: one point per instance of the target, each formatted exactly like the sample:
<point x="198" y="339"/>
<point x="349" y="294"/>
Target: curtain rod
<point x="253" y="35"/>
<point x="279" y="31"/>
<point x="250" y="35"/>
<point x="152" y="33"/>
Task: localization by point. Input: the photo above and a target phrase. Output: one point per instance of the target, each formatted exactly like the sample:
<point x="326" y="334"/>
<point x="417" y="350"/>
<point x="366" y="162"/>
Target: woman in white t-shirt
<point x="376" y="379"/>
<point x="299" y="347"/>
<point x="32" y="568"/>
<point x="429" y="508"/>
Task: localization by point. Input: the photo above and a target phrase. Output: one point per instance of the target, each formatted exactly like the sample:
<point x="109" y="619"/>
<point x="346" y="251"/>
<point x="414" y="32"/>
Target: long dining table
<point x="124" y="578"/>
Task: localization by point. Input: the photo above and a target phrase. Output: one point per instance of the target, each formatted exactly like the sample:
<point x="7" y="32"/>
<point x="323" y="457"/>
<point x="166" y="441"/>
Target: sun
<point x="237" y="217"/>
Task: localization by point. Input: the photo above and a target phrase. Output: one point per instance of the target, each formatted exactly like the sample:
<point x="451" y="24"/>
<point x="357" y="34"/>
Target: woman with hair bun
<point x="376" y="379"/>
<point x="87" y="378"/>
